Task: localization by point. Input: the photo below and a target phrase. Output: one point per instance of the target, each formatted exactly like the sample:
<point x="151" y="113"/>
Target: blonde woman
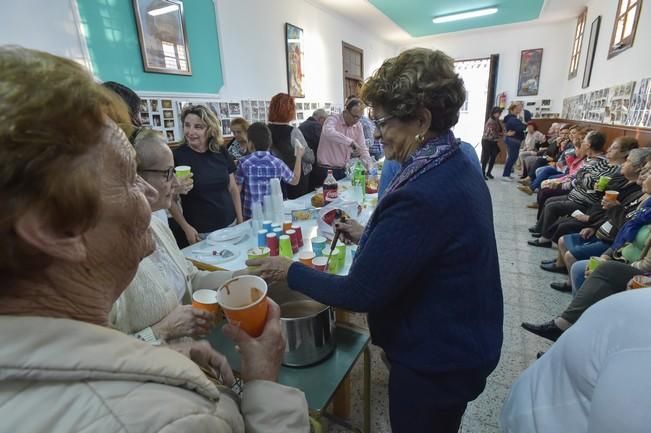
<point x="239" y="147"/>
<point x="214" y="202"/>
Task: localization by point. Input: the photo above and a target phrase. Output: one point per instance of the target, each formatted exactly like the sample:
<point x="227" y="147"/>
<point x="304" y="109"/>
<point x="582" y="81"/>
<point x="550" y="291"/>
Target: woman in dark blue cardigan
<point x="426" y="269"/>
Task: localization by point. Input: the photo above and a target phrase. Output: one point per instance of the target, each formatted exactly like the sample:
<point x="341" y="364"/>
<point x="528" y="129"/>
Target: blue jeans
<point x="544" y="173"/>
<point x="513" y="150"/>
<point x="577" y="275"/>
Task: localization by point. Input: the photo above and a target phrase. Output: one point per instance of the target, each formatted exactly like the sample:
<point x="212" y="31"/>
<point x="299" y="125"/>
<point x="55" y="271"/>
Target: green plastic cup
<point x="333" y="266"/>
<point x="593" y="263"/>
<point x="182" y="171"/>
<point x="602" y="183"/>
<point x="286" y="247"/>
<point x="342" y="256"/>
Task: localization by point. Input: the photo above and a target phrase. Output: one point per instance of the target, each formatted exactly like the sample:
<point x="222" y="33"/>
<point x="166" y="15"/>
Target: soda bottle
<point x="359" y="178"/>
<point x="330" y="188"/>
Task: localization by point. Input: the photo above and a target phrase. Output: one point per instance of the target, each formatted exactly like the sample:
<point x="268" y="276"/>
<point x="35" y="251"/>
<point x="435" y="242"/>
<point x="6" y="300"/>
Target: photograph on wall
<point x="144" y="108"/>
<point x="163" y="40"/>
<point x="170" y="136"/>
<point x="592" y="47"/>
<point x="529" y="75"/>
<point x="299" y="115"/>
<point x="155" y="119"/>
<point x="169" y="123"/>
<point x="234" y="109"/>
<point x="294" y="51"/>
<point x="154" y="105"/>
<point x="144" y="118"/>
<point x="167" y="103"/>
<point x="168" y="114"/>
<point x="299" y="106"/>
<point x="246" y="110"/>
<point x="226" y="127"/>
<point x="223" y="109"/>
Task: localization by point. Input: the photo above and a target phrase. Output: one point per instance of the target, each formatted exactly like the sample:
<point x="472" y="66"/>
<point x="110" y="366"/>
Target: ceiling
<point x="401" y="21"/>
<point x="415" y="16"/>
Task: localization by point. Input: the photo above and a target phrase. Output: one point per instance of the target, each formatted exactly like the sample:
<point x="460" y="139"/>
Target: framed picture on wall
<point x="592" y="46"/>
<point x="163" y="40"/>
<point x="294" y="51"/>
<point x="529" y="76"/>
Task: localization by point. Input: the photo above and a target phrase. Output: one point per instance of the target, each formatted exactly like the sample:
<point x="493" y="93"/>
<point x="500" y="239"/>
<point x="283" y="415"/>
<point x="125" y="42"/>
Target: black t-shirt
<point x="208" y="206"/>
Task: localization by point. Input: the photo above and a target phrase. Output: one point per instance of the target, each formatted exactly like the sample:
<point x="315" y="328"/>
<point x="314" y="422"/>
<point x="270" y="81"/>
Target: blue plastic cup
<point x="262" y="238"/>
<point x="318" y="245"/>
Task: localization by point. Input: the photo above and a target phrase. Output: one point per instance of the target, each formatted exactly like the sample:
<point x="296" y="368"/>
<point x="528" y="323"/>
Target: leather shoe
<point x="538" y="243"/>
<point x="548" y="261"/>
<point x="536" y="235"/>
<point x="533" y="229"/>
<point x="533" y="205"/>
<point x="547" y="330"/>
<point x="539" y="355"/>
<point x="561" y="287"/>
<point x="551" y="267"/>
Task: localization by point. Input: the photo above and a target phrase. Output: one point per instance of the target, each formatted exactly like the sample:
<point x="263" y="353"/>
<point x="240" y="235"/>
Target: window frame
<point x="627" y="42"/>
<point x="577" y="43"/>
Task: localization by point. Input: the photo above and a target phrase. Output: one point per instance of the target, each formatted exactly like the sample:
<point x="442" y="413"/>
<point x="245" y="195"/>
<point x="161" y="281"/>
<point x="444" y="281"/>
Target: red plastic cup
<point x="293" y="236"/>
<point x="298" y="231"/>
<point x="272" y="243"/>
<point x="320" y="263"/>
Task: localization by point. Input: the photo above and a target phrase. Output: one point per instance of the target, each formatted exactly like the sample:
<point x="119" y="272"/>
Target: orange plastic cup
<point x="205" y="299"/>
<point x="611" y="195"/>
<point x="306" y="257"/>
<point x="244" y="301"/>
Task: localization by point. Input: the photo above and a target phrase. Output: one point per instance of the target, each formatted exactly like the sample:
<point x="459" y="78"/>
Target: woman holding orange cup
<point x="244" y="301"/>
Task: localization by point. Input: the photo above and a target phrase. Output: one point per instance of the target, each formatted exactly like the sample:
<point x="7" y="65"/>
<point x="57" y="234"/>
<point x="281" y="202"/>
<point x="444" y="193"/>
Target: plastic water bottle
<point x="359" y="178"/>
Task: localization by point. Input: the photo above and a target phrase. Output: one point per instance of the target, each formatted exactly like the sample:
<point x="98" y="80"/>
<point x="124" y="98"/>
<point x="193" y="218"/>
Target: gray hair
<point x="638" y="157"/>
<point x="320" y="114"/>
<point x="148" y="143"/>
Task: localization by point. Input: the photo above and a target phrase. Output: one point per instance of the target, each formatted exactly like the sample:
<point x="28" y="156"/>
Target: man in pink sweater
<point x="341" y="135"/>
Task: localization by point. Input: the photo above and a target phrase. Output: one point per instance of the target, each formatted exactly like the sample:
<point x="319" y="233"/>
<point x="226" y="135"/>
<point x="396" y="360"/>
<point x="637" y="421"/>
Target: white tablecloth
<point x="308" y="228"/>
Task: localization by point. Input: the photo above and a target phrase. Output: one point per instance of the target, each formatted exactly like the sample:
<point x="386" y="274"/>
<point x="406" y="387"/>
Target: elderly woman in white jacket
<point x="74" y="226"/>
<point x="155" y="307"/>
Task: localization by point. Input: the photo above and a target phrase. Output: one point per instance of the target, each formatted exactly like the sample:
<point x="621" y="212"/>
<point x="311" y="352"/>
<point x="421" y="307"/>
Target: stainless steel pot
<point x="308" y="327"/>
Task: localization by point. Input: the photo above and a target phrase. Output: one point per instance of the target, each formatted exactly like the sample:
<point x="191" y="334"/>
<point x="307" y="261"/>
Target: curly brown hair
<point x="213" y="125"/>
<point x="418" y="78"/>
<point x="282" y="108"/>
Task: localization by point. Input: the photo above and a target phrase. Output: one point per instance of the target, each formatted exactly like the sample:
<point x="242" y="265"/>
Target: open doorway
<point x="476" y="74"/>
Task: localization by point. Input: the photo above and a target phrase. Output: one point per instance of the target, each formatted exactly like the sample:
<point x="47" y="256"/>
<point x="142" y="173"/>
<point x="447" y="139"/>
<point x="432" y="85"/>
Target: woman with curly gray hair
<point x="426" y="268"/>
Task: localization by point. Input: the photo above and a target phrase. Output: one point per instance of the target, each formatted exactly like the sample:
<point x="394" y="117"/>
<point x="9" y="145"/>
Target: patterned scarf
<point x="431" y="155"/>
<point x="629" y="230"/>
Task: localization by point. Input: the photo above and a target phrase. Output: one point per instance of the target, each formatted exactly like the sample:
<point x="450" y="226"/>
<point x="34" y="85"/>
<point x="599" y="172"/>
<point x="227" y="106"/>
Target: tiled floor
<point x="527" y="297"/>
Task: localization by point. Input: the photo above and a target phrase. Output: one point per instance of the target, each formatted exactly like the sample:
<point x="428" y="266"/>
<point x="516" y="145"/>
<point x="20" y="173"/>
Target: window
<point x="628" y="14"/>
<point x="576" y="47"/>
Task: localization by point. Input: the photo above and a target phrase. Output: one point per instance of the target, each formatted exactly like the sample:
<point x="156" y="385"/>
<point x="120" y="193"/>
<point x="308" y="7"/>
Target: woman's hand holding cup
<point x="262" y="356"/>
<point x="184" y="321"/>
<point x="271" y="269"/>
<point x="351" y="230"/>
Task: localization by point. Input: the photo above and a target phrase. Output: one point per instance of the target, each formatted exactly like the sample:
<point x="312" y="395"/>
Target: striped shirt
<point x="586" y="178"/>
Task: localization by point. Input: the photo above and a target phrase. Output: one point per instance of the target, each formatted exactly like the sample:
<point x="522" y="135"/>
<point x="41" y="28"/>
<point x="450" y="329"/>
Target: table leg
<point x="341" y="402"/>
<point x="316" y="423"/>
<point x="367" y="390"/>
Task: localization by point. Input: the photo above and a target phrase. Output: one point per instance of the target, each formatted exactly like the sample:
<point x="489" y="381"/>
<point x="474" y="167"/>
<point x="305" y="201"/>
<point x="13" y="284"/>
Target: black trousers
<point x="489" y="151"/>
<point x="320" y="173"/>
<point x="609" y="278"/>
<point x="295" y="191"/>
<point x="431" y="404"/>
<point x="564" y="226"/>
<point x="555" y="208"/>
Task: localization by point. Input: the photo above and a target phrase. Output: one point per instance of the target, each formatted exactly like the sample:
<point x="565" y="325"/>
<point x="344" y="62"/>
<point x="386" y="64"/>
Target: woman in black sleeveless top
<point x="284" y="138"/>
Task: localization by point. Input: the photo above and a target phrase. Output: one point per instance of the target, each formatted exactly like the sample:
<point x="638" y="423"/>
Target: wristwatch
<point x="147" y="335"/>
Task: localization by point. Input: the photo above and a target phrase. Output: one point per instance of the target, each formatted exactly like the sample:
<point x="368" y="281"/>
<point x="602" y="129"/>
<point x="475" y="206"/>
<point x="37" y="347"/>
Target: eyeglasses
<point x="355" y="118"/>
<point x="168" y="173"/>
<point x="379" y="123"/>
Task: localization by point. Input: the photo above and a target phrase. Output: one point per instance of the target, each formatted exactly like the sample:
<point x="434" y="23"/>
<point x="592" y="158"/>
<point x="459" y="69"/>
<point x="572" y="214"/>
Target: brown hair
<point x="418" y="79"/>
<point x="282" y="108"/>
<point x="627" y="143"/>
<point x="53" y="116"/>
<point x="213" y="125"/>
<point x="240" y="121"/>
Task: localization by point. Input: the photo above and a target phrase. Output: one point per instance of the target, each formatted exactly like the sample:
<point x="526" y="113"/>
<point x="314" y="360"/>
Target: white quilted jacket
<point x="60" y="376"/>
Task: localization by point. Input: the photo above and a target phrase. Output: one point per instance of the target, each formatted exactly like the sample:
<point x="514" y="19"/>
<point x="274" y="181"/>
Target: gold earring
<point x="420" y="138"/>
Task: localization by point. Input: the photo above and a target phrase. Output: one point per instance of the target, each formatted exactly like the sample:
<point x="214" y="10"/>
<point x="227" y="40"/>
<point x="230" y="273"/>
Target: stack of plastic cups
<point x="272" y="243"/>
<point x="286" y="247"/>
<point x="257" y="216"/>
<point x="277" y="200"/>
<point x="293" y="237"/>
<point x="299" y="232"/>
<point x="268" y="208"/>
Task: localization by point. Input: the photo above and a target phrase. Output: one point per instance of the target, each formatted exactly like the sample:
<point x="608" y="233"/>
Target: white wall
<point x="508" y="42"/>
<point x="47" y="25"/>
<point x="633" y="64"/>
<point x="253" y="48"/>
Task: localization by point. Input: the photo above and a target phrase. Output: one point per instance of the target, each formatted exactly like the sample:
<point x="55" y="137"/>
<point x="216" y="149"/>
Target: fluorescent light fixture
<point x="163" y="10"/>
<point x="464" y="15"/>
